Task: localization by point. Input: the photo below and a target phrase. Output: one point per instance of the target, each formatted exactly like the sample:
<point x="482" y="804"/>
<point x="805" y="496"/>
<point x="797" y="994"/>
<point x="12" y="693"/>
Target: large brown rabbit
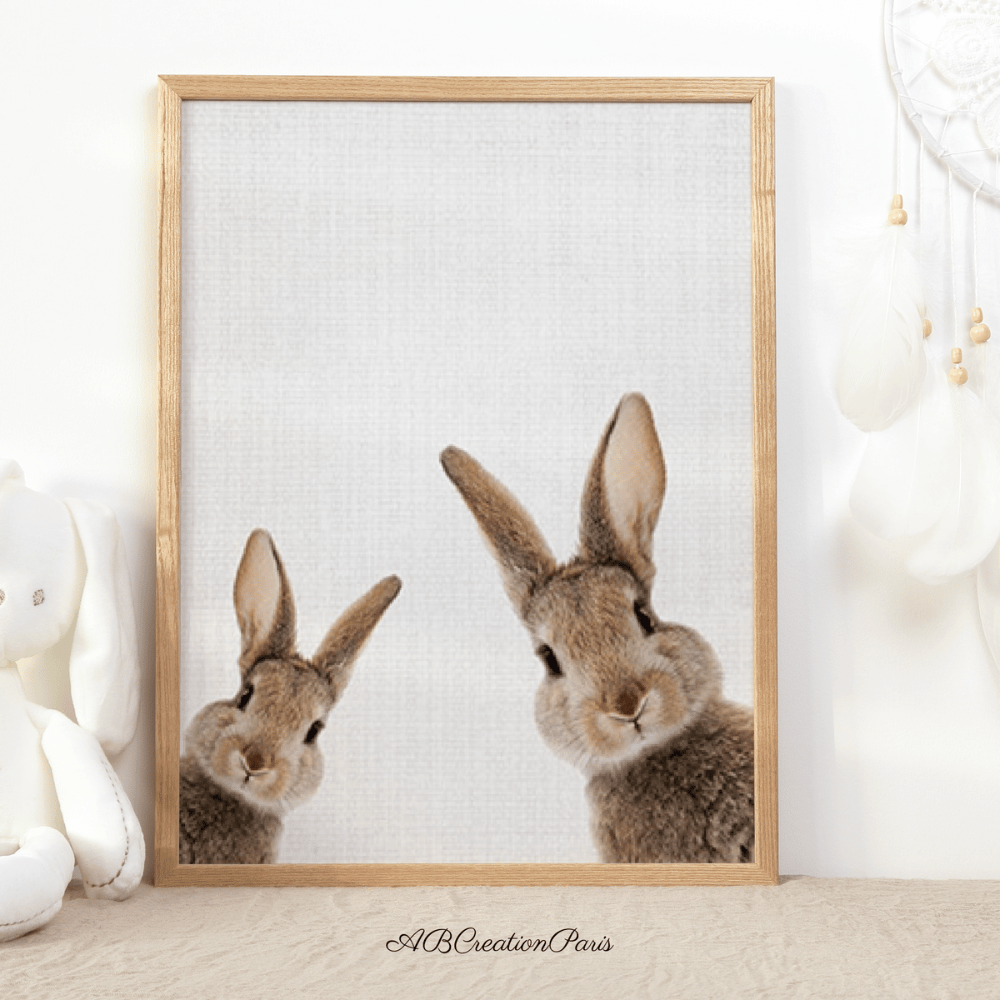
<point x="248" y="761"/>
<point x="632" y="701"/>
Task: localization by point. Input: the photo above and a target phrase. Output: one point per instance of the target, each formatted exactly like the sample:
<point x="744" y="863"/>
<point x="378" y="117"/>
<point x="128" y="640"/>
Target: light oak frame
<point x="759" y="94"/>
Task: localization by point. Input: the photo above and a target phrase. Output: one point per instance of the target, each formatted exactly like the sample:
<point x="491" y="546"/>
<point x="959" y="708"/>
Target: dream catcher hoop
<point x="919" y="378"/>
<point x="944" y="58"/>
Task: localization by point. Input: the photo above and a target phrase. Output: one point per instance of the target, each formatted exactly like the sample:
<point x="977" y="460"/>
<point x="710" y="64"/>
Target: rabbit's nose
<point x="627" y="702"/>
<point x="254" y="759"/>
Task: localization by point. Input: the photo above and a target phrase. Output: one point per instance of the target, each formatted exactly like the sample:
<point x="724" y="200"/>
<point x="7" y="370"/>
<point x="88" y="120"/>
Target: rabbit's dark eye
<point x="644" y="618"/>
<point x="244" y="698"/>
<point x="314" y="730"/>
<point x="550" y="660"/>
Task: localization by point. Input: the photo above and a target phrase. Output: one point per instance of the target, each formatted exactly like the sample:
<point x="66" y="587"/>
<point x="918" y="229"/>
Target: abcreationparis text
<point x="443" y="941"/>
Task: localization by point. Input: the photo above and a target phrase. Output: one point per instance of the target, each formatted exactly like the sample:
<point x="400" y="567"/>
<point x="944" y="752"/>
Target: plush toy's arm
<point x="100" y="823"/>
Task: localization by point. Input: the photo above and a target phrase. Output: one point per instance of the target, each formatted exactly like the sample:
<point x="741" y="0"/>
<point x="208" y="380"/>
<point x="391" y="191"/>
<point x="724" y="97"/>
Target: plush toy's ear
<point x="41" y="571"/>
<point x="104" y="662"/>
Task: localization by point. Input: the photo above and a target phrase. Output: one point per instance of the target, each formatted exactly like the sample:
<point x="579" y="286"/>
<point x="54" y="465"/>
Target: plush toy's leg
<point x="33" y="880"/>
<point x="99" y="819"/>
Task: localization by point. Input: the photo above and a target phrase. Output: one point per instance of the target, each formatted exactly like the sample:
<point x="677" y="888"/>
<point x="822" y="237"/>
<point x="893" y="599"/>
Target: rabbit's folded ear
<point x="624" y="491"/>
<point x="513" y="537"/>
<point x="265" y="609"/>
<point x="347" y="636"/>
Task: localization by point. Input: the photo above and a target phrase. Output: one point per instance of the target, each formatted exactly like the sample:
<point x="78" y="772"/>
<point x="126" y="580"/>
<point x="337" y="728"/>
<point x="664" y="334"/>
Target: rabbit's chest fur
<point x="690" y="800"/>
<point x="217" y="827"/>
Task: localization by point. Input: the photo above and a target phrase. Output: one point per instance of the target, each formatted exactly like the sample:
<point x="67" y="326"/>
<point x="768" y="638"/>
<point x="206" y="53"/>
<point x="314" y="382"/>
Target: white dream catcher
<point x="921" y="380"/>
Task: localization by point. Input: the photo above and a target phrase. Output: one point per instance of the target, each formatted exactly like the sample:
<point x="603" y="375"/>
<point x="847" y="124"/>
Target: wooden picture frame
<point x="757" y="94"/>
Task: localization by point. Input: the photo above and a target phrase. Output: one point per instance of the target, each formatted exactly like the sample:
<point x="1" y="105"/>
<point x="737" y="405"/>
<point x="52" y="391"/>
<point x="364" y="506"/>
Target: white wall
<point x="889" y="708"/>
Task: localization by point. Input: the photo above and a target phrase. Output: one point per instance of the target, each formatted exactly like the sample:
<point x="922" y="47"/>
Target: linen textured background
<point x="365" y="284"/>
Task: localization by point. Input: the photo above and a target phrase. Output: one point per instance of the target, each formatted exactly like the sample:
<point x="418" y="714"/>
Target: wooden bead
<point x="897" y="217"/>
<point x="927" y="327"/>
<point x="979" y="333"/>
<point x="957" y="375"/>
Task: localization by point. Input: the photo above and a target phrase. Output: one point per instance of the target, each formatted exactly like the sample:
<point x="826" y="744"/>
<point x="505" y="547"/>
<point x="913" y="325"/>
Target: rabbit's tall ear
<point x="624" y="491"/>
<point x="521" y="552"/>
<point x="104" y="659"/>
<point x="338" y="652"/>
<point x="265" y="608"/>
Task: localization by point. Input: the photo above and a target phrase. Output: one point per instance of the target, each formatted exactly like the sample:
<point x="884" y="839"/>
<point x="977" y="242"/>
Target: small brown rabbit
<point x="248" y="761"/>
<point x="632" y="701"/>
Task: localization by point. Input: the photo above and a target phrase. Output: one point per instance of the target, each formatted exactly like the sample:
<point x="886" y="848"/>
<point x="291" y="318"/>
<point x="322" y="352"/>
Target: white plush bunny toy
<point x="64" y="591"/>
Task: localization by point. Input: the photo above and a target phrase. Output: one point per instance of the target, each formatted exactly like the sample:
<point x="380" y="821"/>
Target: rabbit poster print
<point x="367" y="283"/>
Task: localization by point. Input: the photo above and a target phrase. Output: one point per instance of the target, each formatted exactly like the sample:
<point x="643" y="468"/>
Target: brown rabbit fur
<point x="249" y="760"/>
<point x="634" y="702"/>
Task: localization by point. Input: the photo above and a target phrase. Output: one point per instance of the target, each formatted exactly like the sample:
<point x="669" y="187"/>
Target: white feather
<point x="882" y="366"/>
<point x="988" y="592"/>
<point x="908" y="470"/>
<point x="970" y="525"/>
<point x="983" y="364"/>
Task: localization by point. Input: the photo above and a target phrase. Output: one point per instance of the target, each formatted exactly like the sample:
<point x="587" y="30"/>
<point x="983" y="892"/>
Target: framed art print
<point x="466" y="482"/>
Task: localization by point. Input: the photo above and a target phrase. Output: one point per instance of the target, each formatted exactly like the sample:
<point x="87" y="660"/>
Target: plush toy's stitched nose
<point x="254" y="759"/>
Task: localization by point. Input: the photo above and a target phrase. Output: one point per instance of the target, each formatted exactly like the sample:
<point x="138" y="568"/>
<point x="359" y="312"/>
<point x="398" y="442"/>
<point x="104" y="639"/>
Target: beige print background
<point x="367" y="283"/>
